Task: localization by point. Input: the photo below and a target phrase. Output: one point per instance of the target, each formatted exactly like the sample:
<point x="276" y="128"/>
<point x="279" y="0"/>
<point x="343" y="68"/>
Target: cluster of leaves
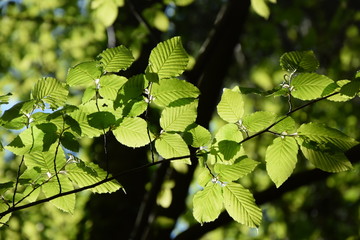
<point x="50" y="130"/>
<point x="225" y="160"/>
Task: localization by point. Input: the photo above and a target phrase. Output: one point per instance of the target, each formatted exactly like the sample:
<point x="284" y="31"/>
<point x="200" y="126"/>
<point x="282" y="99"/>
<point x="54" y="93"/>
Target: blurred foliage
<point x="44" y="38"/>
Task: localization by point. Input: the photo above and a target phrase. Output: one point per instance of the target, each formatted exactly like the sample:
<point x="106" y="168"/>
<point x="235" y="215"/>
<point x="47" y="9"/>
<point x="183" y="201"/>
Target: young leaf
<point x="208" y="203"/>
<point x="168" y="59"/>
<point x="226" y="147"/>
<point x="322" y="134"/>
<point x="324" y="158"/>
<point x="51" y="188"/>
<point x="287" y="125"/>
<point x="110" y="85"/>
<point x="32" y="140"/>
<point x="116" y="59"/>
<point x="50" y="90"/>
<point x="336" y="87"/>
<point x="197" y="136"/>
<point x="133" y="132"/>
<point x="240" y="204"/>
<point x="261" y="8"/>
<point x="17" y="116"/>
<point x="351" y="88"/>
<point x="239" y="169"/>
<point x="170" y="145"/>
<point x="178" y="118"/>
<point x="281" y="158"/>
<point x="309" y="86"/>
<point x="258" y="121"/>
<point x="83" y="74"/>
<point x="299" y="61"/>
<point x="169" y="90"/>
<point x="85" y="174"/>
<point x="101" y="120"/>
<point x="231" y="105"/>
<point x="69" y="141"/>
<point x="45" y="160"/>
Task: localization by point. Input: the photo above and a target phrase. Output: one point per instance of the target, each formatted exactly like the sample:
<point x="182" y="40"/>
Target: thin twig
<point x="17" y="179"/>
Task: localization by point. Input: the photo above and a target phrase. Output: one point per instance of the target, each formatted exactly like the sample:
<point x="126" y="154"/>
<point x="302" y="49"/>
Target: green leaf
<point x="32" y="139"/>
<point x="309" y="86"/>
<point x="178" y="118"/>
<point x="168" y="59"/>
<point x="288" y="125"/>
<point x="51" y="188"/>
<point x="261" y="8"/>
<point x="197" y="136"/>
<point x="133" y="132"/>
<point x="101" y="120"/>
<point x="5" y="186"/>
<point x="281" y="158"/>
<point x="116" y="59"/>
<point x="45" y="160"/>
<point x="51" y="91"/>
<point x="322" y="134"/>
<point x="110" y="85"/>
<point x="226" y="147"/>
<point x="68" y="141"/>
<point x="324" y="158"/>
<point x="239" y="169"/>
<point x="4" y="99"/>
<point x="169" y="90"/>
<point x="299" y="61"/>
<point x="208" y="203"/>
<point x="231" y="105"/>
<point x="240" y="204"/>
<point x="204" y="177"/>
<point x="258" y="121"/>
<point x="171" y="145"/>
<point x="17" y="116"/>
<point x="84" y="74"/>
<point x="351" y="88"/>
<point x="336" y="87"/>
<point x="34" y="193"/>
<point x="85" y="174"/>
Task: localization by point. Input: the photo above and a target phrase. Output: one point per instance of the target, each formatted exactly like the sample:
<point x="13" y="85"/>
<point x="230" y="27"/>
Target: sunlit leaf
<point x="116" y="59"/>
<point x="324" y="157"/>
<point x="322" y="134"/>
<point x="85" y="174"/>
<point x="133" y="132"/>
<point x="45" y="160"/>
<point x="309" y="86"/>
<point x="281" y="158"/>
<point x="261" y="8"/>
<point x="257" y="121"/>
<point x="51" y="91"/>
<point x="197" y="136"/>
<point x="172" y="89"/>
<point x="240" y="204"/>
<point x="299" y="61"/>
<point x="239" y="169"/>
<point x="172" y="145"/>
<point x="110" y="85"/>
<point x="51" y="188"/>
<point x="208" y="203"/>
<point x="83" y="74"/>
<point x="168" y="58"/>
<point x="178" y="118"/>
<point x="231" y="105"/>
